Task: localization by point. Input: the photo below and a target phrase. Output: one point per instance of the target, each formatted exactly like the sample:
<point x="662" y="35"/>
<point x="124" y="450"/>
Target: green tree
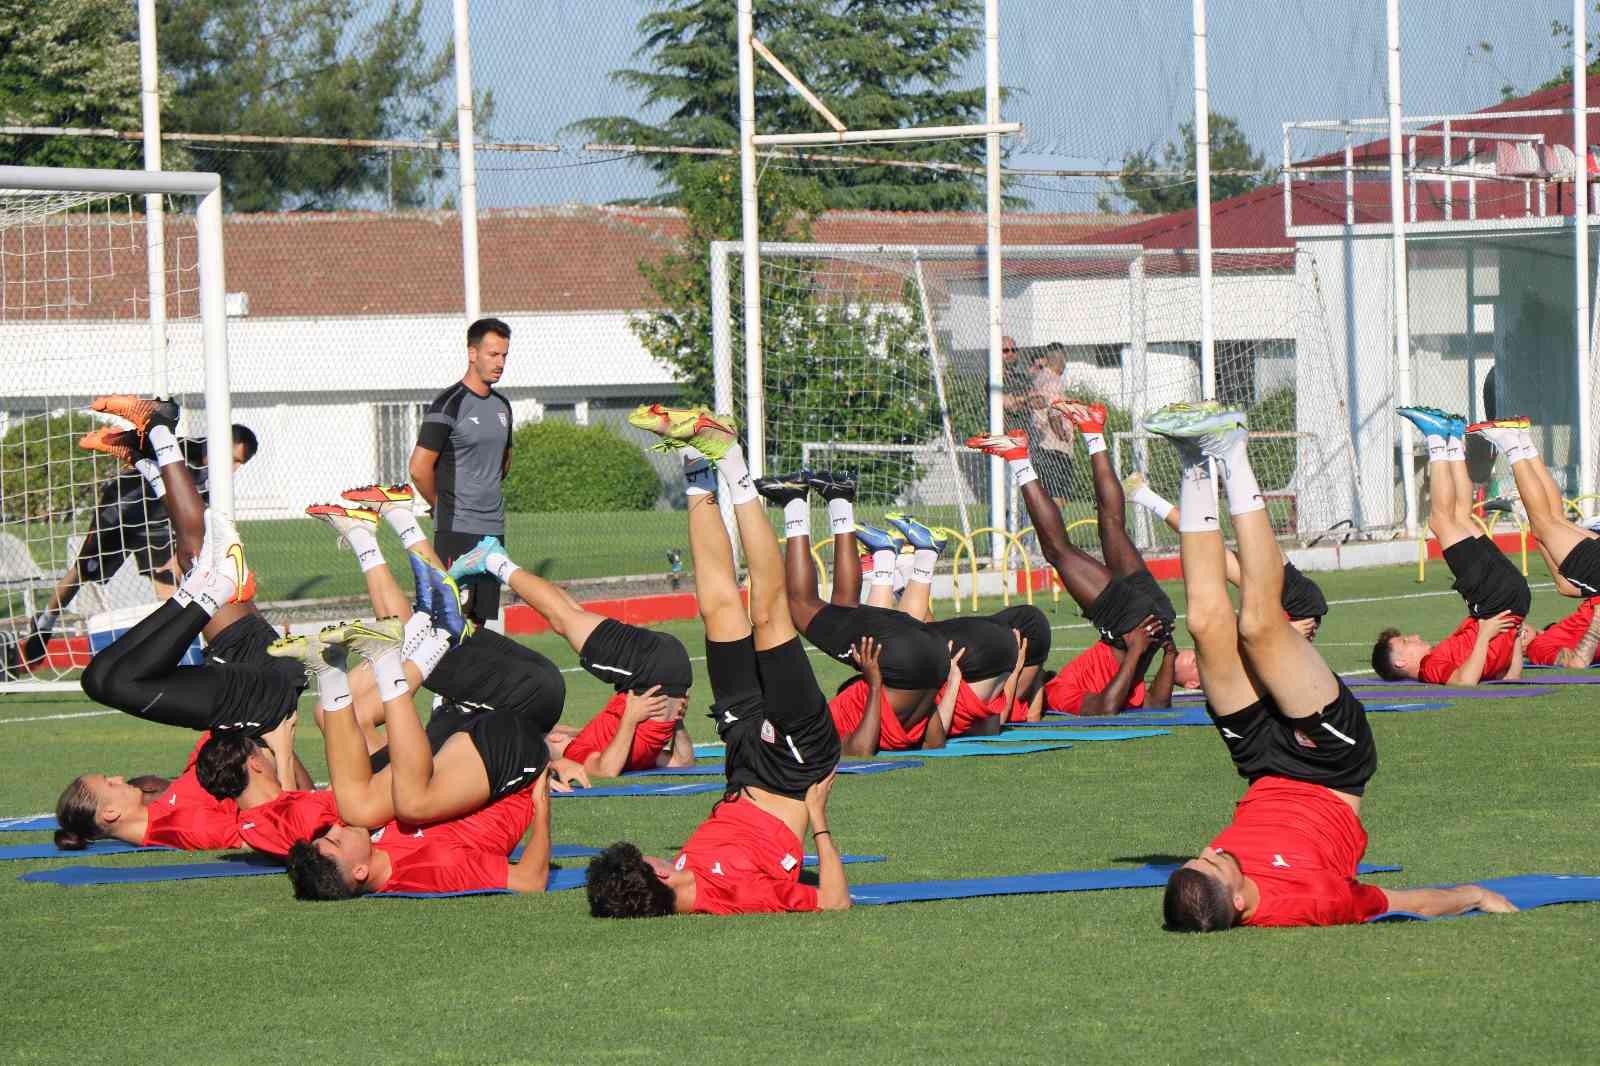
<point x="875" y="63"/>
<point x="1153" y="188"/>
<point x="310" y="68"/>
<point x="69" y="63"/>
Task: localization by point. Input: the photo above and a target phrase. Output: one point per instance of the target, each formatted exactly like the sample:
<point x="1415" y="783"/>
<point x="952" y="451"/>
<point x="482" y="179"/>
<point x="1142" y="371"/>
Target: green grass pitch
<point x="237" y="972"/>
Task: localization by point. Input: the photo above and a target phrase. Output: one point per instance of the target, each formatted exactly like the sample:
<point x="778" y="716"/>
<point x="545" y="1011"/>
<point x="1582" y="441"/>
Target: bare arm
<point x="423" y="461"/>
<point x="531" y="873"/>
<point x="1470" y="672"/>
<point x="681" y="752"/>
<point x="287" y="764"/>
<point x="614" y="759"/>
<point x="1436" y="902"/>
<point x="833" y="891"/>
<point x="863" y="741"/>
<point x="1158" y="697"/>
<point x="1115" y="695"/>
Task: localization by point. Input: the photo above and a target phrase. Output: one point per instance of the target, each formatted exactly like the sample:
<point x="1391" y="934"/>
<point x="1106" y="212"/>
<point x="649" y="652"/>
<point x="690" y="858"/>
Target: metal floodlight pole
<point x="1397" y="249"/>
<point x="993" y="128"/>
<point x="998" y="474"/>
<point x="1585" y="444"/>
<point x="1202" y="167"/>
<point x="750" y="227"/>
<point x="468" y="174"/>
<point x="154" y="204"/>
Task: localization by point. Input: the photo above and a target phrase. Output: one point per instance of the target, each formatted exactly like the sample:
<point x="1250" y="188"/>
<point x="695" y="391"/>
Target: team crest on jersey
<point x="789" y="862"/>
<point x="768" y="734"/>
<point x="1304" y="741"/>
<point x="502" y="419"/>
<point x="681" y="860"/>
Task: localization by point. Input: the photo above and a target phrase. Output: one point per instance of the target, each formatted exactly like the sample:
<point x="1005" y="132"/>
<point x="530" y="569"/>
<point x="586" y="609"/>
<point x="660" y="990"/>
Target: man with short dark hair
<point x="1488" y="644"/>
<point x="462" y="455"/>
<point x="781" y="744"/>
<point x="1294" y="729"/>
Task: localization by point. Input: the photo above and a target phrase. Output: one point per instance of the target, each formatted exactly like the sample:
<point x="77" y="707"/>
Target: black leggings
<point x="139" y="674"/>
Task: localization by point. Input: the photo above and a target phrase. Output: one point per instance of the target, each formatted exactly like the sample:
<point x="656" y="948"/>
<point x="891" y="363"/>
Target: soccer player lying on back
<point x="781" y="743"/>
<point x="1572" y="643"/>
<point x="1294" y="730"/>
<point x="911" y="664"/>
<point x="1488" y="643"/>
<point x="1118" y="596"/>
<point x="641" y="728"/>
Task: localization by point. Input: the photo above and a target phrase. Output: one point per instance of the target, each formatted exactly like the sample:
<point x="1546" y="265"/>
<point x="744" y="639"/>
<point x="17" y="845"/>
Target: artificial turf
<point x="236" y="971"/>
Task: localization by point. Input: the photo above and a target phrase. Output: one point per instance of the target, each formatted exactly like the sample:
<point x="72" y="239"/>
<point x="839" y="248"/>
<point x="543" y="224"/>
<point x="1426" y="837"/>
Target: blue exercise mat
<point x="1049" y="731"/>
<point x="1527" y="891"/>
<point x="1026" y="884"/>
<point x="33" y="823"/>
<point x="246" y="866"/>
<point x="602" y="791"/>
<point x="95" y="848"/>
<point x="1185" y="716"/>
<point x="563" y="878"/>
<point x="961" y="749"/>
<point x="873" y="766"/>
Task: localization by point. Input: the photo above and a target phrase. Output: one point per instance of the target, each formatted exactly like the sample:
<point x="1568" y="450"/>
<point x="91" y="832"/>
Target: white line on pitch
<point x="55" y="717"/>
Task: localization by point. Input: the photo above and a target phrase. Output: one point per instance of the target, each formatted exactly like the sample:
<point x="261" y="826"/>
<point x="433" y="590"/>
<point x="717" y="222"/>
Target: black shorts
<point x="1486" y="579"/>
<point x="1055" y="471"/>
<point x="771" y="715"/>
<point x="1033" y="625"/>
<point x="512" y="747"/>
<point x="245" y="641"/>
<point x="913" y="656"/>
<point x="482" y="592"/>
<point x="1582" y="566"/>
<point x="1126" y="602"/>
<point x="445" y="722"/>
<point x="634" y="660"/>
<point x="127" y="521"/>
<point x="1333" y="748"/>
<point x="990" y="649"/>
<point x="1302" y="597"/>
<point x="254" y="697"/>
<point x="489" y="671"/>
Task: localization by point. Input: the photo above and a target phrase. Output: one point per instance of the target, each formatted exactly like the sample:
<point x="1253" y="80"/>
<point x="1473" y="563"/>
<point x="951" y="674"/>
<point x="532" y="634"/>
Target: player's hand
<point x="1491" y="902"/>
<point x="648" y="704"/>
<point x="565" y="773"/>
<point x="1022" y="650"/>
<point x="817" y="801"/>
<point x="541" y="790"/>
<point x="1142" y="635"/>
<point x="1497" y="624"/>
<point x="955" y="662"/>
<point x="1525" y="637"/>
<point x="281" y="738"/>
<point x="1306" y="627"/>
<point x="867" y="652"/>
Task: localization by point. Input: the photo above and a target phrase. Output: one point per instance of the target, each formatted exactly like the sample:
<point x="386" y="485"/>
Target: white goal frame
<point x="207" y="189"/>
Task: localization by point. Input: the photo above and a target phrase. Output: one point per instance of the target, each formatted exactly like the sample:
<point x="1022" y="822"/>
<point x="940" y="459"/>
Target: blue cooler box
<point x="107" y="626"/>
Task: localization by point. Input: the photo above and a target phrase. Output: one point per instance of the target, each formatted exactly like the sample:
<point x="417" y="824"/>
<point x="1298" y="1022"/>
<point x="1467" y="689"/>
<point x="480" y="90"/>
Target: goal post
<point x="77" y="319"/>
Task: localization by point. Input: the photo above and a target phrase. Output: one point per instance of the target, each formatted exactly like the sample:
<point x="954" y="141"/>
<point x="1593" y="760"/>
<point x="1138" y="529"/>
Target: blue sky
<point x="1099" y="78"/>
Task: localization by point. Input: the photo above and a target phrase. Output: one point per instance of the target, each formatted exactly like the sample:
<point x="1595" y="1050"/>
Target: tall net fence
<point x="85" y="542"/>
<point x="605" y="166"/>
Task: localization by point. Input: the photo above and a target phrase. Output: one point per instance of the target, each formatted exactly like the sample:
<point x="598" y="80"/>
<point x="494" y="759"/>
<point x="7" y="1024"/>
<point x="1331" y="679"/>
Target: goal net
<point x="876" y="359"/>
<point x="85" y="544"/>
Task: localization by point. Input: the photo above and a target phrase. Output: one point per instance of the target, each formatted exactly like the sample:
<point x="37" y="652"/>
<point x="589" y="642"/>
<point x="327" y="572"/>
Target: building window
<point x="395" y="428"/>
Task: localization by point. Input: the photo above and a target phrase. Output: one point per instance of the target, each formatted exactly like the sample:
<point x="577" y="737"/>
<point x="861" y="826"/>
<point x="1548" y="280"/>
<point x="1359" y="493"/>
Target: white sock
<point x="1152" y="501"/>
<point x="1239" y="481"/>
<point x="364" y="542"/>
<point x="883" y="566"/>
<point x="699" y="475"/>
<point x="740" y="488"/>
<point x="165" y="445"/>
<point x="1524" y="447"/>
<point x="152" y="476"/>
<point x="1455" y="450"/>
<point x="501" y="566"/>
<point x="922" y="564"/>
<point x="1095" y="442"/>
<point x="797" y="518"/>
<point x="902" y="570"/>
<point x="1197" y="499"/>
<point x="404" y="523"/>
<point x="1022" y="470"/>
<point x="428" y="651"/>
<point x="1438" y="447"/>
<point x="390" y="671"/>
<point x="841" y="517"/>
<point x="417" y="627"/>
<point x="192" y="589"/>
<point x="333" y="689"/>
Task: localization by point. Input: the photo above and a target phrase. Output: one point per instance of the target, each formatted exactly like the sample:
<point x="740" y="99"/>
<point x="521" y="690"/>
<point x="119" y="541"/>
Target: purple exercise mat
<point x="1389" y="690"/>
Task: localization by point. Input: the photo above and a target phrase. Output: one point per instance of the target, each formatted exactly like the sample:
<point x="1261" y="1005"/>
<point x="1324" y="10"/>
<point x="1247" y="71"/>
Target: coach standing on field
<point x="463" y="452"/>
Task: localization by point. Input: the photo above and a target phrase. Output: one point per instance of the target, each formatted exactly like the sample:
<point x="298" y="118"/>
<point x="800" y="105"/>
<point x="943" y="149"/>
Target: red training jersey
<point x="1566" y="633"/>
<point x="745" y="861"/>
<point x="1089" y="673"/>
<point x="293" y="816"/>
<point x="649" y="740"/>
<point x="1300" y="844"/>
<point x="187" y="816"/>
<point x="1452" y="651"/>
<point x="461" y="855"/>
<point x="850" y="706"/>
<point x="971" y="709"/>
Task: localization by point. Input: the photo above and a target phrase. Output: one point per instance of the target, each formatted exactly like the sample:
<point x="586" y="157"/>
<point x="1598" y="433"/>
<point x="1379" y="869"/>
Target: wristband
<point x="823" y="833"/>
